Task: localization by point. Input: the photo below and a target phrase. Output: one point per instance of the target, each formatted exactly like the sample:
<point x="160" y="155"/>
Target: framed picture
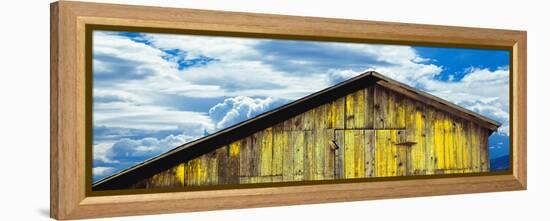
<point x="159" y="110"/>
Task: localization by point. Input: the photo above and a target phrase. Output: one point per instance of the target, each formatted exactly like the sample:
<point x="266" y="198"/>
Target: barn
<point x="368" y="126"/>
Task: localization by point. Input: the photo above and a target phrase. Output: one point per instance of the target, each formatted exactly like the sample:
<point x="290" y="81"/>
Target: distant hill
<point x="500" y="163"/>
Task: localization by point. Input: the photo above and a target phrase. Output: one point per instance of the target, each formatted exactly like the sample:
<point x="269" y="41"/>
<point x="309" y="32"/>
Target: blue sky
<point x="153" y="92"/>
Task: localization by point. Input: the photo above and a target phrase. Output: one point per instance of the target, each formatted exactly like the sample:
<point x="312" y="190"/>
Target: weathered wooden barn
<point x="368" y="126"/>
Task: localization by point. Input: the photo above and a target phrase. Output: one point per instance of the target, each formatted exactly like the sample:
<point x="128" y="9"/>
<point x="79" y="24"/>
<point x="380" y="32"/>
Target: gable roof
<point x="193" y="149"/>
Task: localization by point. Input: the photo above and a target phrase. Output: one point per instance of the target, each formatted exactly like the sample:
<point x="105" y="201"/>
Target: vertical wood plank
<point x="380" y="107"/>
<point x="233" y="169"/>
<point x="370" y="153"/>
<point x="212" y="167"/>
<point x="245" y="156"/>
<point x="391" y="161"/>
<point x="399" y="111"/>
<point x="349" y="153"/>
<point x="266" y="152"/>
<point x="288" y="154"/>
<point x="354" y="155"/>
<point x="369" y="107"/>
<point x="439" y="140"/>
<point x="278" y="147"/>
<point x="223" y="165"/>
<point x="308" y="119"/>
<point x="429" y="140"/>
<point x="180" y="174"/>
<point x="256" y="143"/>
<point x="329" y="154"/>
<point x="309" y="159"/>
<point x="336" y="114"/>
<point x="476" y="161"/>
<point x="484" y="148"/>
<point x="359" y="153"/>
<point x="468" y="147"/>
<point x="298" y="143"/>
<point x="339" y="154"/>
<point x="450" y="160"/>
<point x="386" y="153"/>
<point x="402" y="153"/>
<point x="355" y="110"/>
<point x="460" y="145"/>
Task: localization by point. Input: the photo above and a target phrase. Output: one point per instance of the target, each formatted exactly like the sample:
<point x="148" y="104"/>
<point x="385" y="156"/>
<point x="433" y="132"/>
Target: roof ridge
<point x="291" y="109"/>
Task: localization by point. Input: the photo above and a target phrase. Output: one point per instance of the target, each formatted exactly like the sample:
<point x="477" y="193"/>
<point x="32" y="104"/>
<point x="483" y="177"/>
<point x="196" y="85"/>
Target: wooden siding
<point x="373" y="132"/>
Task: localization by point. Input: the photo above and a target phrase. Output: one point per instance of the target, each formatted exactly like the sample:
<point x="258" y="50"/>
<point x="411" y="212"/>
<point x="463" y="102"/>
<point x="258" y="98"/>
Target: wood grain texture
<point x="68" y="129"/>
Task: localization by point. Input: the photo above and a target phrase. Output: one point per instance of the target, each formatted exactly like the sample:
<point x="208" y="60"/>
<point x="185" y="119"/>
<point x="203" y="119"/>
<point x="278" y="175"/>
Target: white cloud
<point x="249" y="77"/>
<point x="480" y="90"/>
<point x="111" y="52"/>
<point x="100" y="152"/>
<point x="150" y="117"/>
<point x="238" y="109"/>
<point x="102" y="171"/>
<point x="141" y="149"/>
<point x="226" y="48"/>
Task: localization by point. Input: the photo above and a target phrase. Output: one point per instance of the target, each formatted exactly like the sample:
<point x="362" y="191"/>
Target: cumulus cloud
<point x="99" y="172"/>
<point x="481" y="90"/>
<point x="153" y="92"/>
<point x="137" y="150"/>
<point x="112" y="157"/>
<point x="241" y="108"/>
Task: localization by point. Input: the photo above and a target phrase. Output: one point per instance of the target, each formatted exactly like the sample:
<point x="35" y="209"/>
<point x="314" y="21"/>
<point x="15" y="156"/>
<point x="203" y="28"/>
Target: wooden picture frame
<point x="69" y="196"/>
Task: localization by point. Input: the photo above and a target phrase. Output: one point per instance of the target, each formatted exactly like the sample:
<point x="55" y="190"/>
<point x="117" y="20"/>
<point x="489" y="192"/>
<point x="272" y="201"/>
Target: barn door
<point x="370" y="153"/>
<point x="354" y="153"/>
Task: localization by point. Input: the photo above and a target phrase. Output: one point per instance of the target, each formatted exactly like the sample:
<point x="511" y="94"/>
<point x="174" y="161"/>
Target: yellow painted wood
<point x="386" y="153"/>
<point x="449" y="144"/>
<point x="349" y="153"/>
<point x="484" y="152"/>
<point x="336" y="114"/>
<point x="355" y="110"/>
<point x="359" y="153"/>
<point x="309" y="160"/>
<point x="203" y="172"/>
<point x="461" y="146"/>
<point x="439" y="141"/>
<point x="475" y="152"/>
<point x="234" y="149"/>
<point x="420" y="152"/>
<point x="288" y="155"/>
<point x="233" y="163"/>
<point x="400" y="118"/>
<point x="379" y="132"/>
<point x="194" y="172"/>
<point x="339" y="154"/>
<point x="328" y="154"/>
<point x="317" y="156"/>
<point x="211" y="168"/>
<point x="308" y="119"/>
<point x="298" y="144"/>
<point x="389" y="109"/>
<point x="266" y="152"/>
<point x="180" y="173"/>
<point x="354" y="155"/>
<point x="429" y="140"/>
<point x="369" y="107"/>
<point x="468" y="147"/>
<point x="278" y="146"/>
<point x="370" y="153"/>
<point x="402" y="158"/>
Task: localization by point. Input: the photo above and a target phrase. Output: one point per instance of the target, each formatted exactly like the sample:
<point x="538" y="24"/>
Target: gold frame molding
<point x="69" y="198"/>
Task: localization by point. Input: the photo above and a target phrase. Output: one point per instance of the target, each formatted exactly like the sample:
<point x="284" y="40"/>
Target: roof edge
<point x="363" y="80"/>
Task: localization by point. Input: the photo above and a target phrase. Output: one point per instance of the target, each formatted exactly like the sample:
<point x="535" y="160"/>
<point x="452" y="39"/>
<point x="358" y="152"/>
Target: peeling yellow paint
<point x="302" y="148"/>
<point x="234" y="149"/>
<point x="180" y="174"/>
